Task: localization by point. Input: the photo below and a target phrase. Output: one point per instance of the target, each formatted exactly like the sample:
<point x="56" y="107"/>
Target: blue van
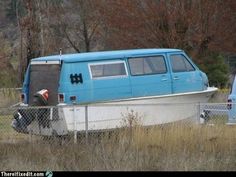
<point x="111" y="75"/>
<point x="231" y="103"/>
<point x="138" y="76"/>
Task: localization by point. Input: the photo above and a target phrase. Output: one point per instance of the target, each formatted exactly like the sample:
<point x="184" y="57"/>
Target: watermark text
<point x="19" y="174"/>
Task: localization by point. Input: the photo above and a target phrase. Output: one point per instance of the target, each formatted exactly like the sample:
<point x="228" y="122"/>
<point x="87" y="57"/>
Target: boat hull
<point x="145" y="111"/>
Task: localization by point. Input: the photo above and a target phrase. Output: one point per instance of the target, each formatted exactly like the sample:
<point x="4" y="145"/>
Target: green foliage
<point x="216" y="69"/>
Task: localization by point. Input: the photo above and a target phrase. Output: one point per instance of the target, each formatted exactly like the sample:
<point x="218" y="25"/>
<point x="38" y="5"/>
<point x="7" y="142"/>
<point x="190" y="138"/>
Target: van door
<point x="149" y="76"/>
<point x="186" y="76"/>
<point x="109" y="80"/>
<point x="44" y="75"/>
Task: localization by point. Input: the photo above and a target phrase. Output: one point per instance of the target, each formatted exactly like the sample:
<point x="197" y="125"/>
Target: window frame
<point x="143" y="57"/>
<point x="107" y="63"/>
<point x="185" y="59"/>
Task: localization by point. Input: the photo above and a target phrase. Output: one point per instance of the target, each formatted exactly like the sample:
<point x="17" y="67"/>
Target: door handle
<point x="164" y="78"/>
<point x="176" y="78"/>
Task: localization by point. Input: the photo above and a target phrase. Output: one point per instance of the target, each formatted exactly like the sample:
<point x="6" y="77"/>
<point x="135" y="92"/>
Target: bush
<point x="216" y="69"/>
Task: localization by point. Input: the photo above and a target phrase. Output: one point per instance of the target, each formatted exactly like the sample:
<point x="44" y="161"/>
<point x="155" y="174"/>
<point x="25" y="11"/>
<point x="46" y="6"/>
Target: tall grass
<point x="172" y="147"/>
<point x="163" y="148"/>
<point x="9" y="96"/>
<point x="221" y="96"/>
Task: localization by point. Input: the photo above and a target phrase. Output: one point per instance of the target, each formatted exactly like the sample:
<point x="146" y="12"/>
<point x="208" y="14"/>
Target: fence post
<point x="86" y="123"/>
<point x="30" y="136"/>
<point x="198" y="113"/>
<point x="75" y="131"/>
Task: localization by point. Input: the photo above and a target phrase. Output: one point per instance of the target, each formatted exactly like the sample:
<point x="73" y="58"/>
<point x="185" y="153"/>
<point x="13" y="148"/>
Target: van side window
<point x="180" y="63"/>
<point x="147" y="65"/>
<point x="108" y="69"/>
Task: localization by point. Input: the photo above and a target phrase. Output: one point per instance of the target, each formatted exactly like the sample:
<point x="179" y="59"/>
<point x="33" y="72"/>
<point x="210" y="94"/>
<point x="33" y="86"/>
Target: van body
<point x="104" y="85"/>
<point x="112" y="75"/>
<point x="232" y="103"/>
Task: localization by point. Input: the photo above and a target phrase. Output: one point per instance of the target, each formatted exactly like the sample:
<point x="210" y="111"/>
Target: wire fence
<point x="23" y="123"/>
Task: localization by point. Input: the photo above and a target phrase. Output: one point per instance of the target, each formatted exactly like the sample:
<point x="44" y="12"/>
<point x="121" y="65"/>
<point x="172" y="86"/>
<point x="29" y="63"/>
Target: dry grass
<point x="221" y="96"/>
<point x="173" y="147"/>
<point x="9" y="97"/>
<point x="164" y="148"/>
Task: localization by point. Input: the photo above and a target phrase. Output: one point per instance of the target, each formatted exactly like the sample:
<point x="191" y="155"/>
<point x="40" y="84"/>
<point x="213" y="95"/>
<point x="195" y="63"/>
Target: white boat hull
<point x="144" y="111"/>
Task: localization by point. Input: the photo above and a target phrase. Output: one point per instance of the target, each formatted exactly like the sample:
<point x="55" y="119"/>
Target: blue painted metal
<point x="232" y="104"/>
<point x="25" y="87"/>
<point x="87" y="90"/>
<point x="187" y="81"/>
<point x="104" y="55"/>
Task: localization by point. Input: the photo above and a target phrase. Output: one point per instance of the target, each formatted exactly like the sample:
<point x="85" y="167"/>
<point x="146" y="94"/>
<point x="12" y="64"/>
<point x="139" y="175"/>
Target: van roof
<point x="90" y="56"/>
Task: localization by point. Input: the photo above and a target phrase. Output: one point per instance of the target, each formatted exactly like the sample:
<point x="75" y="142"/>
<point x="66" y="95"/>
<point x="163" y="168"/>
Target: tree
<point x="22" y="13"/>
<point x="6" y="67"/>
<point x="31" y="18"/>
<point x="195" y="26"/>
<point x="80" y="24"/>
<point x="216" y="69"/>
<point x="198" y="27"/>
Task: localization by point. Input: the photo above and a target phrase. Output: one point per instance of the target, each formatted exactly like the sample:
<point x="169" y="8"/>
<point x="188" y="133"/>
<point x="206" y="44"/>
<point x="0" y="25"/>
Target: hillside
<point x="30" y="29"/>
